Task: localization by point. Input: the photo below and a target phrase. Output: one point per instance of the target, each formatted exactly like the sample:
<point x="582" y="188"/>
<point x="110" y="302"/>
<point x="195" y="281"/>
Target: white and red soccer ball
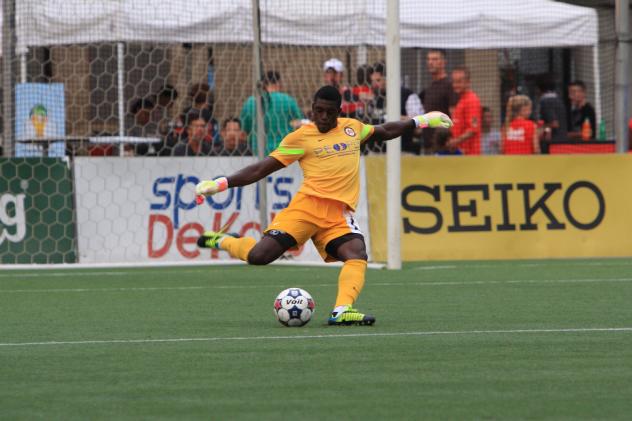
<point x="294" y="307"/>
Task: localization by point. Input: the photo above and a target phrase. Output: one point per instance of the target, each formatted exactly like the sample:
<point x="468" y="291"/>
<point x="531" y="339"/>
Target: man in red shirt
<point x="333" y="75"/>
<point x="466" y="132"/>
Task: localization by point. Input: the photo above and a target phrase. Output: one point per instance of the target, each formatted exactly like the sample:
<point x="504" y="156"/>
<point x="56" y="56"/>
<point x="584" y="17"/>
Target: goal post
<point x="393" y="150"/>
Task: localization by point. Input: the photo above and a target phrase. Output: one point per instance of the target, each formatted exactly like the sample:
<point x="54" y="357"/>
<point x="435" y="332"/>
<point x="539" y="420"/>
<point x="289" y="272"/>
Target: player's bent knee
<point x="348" y="247"/>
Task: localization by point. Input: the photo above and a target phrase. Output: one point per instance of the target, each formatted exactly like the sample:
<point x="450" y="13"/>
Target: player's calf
<point x="261" y="257"/>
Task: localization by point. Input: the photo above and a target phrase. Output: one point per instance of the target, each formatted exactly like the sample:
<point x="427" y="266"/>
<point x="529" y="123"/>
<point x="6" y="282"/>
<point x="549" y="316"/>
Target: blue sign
<point x="40" y="118"/>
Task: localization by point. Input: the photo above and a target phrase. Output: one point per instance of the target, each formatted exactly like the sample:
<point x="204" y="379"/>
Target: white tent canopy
<point x="497" y="24"/>
<point x="430" y="23"/>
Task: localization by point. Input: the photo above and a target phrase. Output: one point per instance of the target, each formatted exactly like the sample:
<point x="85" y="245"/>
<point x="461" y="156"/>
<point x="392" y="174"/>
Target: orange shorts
<point x="320" y="219"/>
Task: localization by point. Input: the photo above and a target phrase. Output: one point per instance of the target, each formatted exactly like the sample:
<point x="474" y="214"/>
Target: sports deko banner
<point x="144" y="210"/>
<point x="508" y="207"/>
<point x="36" y="211"/>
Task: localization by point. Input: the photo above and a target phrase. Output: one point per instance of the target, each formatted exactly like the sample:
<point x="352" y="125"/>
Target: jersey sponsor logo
<point x="515" y="135"/>
<point x="350" y="132"/>
<point x="337" y="149"/>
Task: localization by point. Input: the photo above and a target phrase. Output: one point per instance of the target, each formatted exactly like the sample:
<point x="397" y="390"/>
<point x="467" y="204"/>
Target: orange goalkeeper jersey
<point x="330" y="161"/>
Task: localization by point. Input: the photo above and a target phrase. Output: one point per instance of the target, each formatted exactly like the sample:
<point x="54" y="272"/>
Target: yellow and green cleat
<point x="350" y="316"/>
<point x="211" y="239"/>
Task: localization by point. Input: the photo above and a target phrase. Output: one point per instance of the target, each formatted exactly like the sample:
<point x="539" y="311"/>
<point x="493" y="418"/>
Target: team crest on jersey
<point x="349" y="131"/>
<point x="474" y="122"/>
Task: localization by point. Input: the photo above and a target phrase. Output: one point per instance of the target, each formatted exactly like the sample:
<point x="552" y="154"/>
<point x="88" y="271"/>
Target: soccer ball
<point x="294" y="307"/>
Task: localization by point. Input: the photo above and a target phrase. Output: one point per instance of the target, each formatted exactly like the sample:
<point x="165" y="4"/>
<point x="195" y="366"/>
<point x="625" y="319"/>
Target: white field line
<point x="507" y="282"/>
<point x="60" y="274"/>
<point x="123" y="269"/>
<point x="331" y="336"/>
<point x="201" y="263"/>
<point x="73" y="273"/>
<point x="500" y="264"/>
<point x="381" y="284"/>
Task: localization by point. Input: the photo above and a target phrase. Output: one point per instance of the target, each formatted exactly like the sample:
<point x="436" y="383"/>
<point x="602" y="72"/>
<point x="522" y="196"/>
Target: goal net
<point x="114" y="111"/>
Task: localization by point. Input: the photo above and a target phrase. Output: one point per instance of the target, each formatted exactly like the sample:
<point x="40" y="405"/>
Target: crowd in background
<point x="528" y="123"/>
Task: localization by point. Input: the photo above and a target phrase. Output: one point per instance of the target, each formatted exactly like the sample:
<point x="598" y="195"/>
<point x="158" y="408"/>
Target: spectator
<point x="197" y="122"/>
<point x="141" y="110"/>
<point x="180" y="134"/>
<point x="410" y="106"/>
<point x="580" y="111"/>
<point x="520" y="134"/>
<point x="440" y="143"/>
<point x="490" y="137"/>
<point x="333" y="73"/>
<point x="281" y="113"/>
<point x="363" y="92"/>
<point x="233" y="138"/>
<point x="202" y="98"/>
<point x="377" y="114"/>
<point x="439" y="96"/>
<point x="466" y="132"/>
<point x="162" y="114"/>
<point x="176" y="135"/>
<point x="551" y="110"/>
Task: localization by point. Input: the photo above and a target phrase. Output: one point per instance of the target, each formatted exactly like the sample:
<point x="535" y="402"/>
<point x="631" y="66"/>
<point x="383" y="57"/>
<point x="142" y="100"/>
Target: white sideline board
<point x="143" y="209"/>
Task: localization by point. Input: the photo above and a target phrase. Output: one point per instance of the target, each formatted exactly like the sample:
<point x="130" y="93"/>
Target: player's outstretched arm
<point x="247" y="175"/>
<point x="393" y="129"/>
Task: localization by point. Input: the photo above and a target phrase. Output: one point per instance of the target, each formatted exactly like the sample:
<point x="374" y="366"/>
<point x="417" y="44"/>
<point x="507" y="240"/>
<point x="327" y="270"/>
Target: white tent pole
<point x="597" y="74"/>
<point x="622" y="74"/>
<point x="120" y="55"/>
<point x="22" y="67"/>
<point x="257" y="73"/>
<point x="393" y="148"/>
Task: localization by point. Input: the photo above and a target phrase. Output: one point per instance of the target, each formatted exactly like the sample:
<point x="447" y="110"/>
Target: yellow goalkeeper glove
<point x="433" y="119"/>
<point x="210" y="187"/>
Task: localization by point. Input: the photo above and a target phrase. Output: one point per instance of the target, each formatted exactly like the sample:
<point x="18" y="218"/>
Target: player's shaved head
<point x="329" y="93"/>
<point x="326" y="108"/>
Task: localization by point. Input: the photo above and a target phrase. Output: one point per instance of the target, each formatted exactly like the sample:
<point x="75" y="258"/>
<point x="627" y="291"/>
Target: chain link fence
<point x="139" y="92"/>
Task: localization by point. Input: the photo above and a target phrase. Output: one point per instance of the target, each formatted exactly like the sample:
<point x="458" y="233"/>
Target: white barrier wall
<point x="143" y="209"/>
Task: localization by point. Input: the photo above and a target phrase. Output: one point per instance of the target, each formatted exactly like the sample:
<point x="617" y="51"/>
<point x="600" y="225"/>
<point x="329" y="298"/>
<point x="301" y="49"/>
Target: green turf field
<point x="462" y="340"/>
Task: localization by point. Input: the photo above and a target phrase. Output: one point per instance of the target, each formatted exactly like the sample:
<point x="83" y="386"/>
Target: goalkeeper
<point x="328" y="150"/>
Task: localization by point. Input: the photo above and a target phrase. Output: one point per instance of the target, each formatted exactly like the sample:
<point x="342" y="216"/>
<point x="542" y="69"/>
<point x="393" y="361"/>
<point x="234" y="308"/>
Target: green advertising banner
<point x="37" y="218"/>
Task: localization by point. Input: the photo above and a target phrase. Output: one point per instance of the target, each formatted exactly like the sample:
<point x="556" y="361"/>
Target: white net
<point x="120" y="87"/>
